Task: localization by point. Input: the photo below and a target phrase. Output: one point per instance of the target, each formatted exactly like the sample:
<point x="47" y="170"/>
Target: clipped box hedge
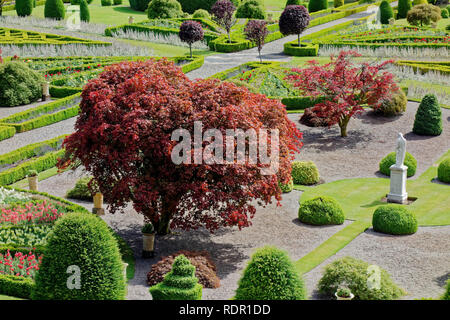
<point x="305" y="50"/>
<point x="6" y="132"/>
<point x="16" y="286"/>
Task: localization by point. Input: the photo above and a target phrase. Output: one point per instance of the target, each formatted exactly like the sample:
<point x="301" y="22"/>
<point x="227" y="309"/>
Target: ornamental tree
<point x="386" y="12"/>
<point x="256" y="31"/>
<point x="403" y="7"/>
<point x="222" y="13"/>
<point x="123" y="138"/>
<point x="24" y="7"/>
<point x="190" y="32"/>
<point x="84" y="11"/>
<point x="345" y="86"/>
<point x="294" y="20"/>
<point x="423" y="14"/>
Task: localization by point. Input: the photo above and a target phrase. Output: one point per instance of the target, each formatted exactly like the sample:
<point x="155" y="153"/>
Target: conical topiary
<point x="84" y="11"/>
<point x="54" y="9"/>
<point x="179" y="284"/>
<point x="428" y="120"/>
<point x="270" y="275"/>
<point x="386" y="12"/>
<point x="24" y="7"/>
<point x="403" y="7"/>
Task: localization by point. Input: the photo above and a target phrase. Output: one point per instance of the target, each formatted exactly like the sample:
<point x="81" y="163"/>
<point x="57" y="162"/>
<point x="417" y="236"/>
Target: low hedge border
<point x="305" y="50"/>
<point x="6" y="132"/>
<point x="16" y="286"/>
<point x="442" y="67"/>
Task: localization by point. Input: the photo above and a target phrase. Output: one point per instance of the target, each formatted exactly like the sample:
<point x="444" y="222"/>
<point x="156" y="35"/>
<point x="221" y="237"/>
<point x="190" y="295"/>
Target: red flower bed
<point x="20" y="265"/>
<point x="42" y="212"/>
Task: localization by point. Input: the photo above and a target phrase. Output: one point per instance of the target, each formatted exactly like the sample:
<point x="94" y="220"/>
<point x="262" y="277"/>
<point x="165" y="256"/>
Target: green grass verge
<point x="2" y="297"/>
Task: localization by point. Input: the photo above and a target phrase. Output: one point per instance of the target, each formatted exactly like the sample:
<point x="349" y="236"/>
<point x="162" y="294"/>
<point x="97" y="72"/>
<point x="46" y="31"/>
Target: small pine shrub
<point x="54" y="9"/>
<point x="446" y="295"/>
<point x="270" y="275"/>
<point x="19" y="84"/>
<point x="288" y="187"/>
<point x="24" y="7"/>
<point x="444" y="171"/>
<point x="305" y="172"/>
<point x="354" y="274"/>
<point x="386" y="12"/>
<point x="251" y="9"/>
<point x="321" y="211"/>
<point x="178" y="284"/>
<point x="317" y="5"/>
<point x="201" y="14"/>
<point x="86" y="242"/>
<point x="394" y="219"/>
<point x="390" y="159"/>
<point x="338" y="3"/>
<point x="81" y="190"/>
<point x="394" y="106"/>
<point x="106" y="3"/>
<point x="164" y="9"/>
<point x="428" y="121"/>
<point x="444" y="13"/>
<point x="84" y="11"/>
<point x="403" y="7"/>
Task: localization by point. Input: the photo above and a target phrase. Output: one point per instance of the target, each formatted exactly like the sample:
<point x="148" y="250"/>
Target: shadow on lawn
<point x="330" y="139"/>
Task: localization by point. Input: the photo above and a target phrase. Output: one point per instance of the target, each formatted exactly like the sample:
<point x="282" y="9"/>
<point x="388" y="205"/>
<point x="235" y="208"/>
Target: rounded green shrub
<point x="395" y="105"/>
<point x="54" y="9"/>
<point x="19" y="84"/>
<point x="179" y="284"/>
<point x="446" y="295"/>
<point x="270" y="275"/>
<point x="394" y="219"/>
<point x="106" y="3"/>
<point x="386" y="12"/>
<point x="201" y="14"/>
<point x="293" y="3"/>
<point x="251" y="9"/>
<point x="84" y="11"/>
<point x="164" y="9"/>
<point x="444" y="13"/>
<point x="81" y="190"/>
<point x="338" y="3"/>
<point x="444" y="171"/>
<point x="305" y="172"/>
<point x="390" y="159"/>
<point x="288" y="187"/>
<point x="355" y="273"/>
<point x="80" y="244"/>
<point x="403" y="7"/>
<point x="428" y="121"/>
<point x="321" y="211"/>
<point x="317" y="5"/>
<point x="24" y="7"/>
<point x="139" y="5"/>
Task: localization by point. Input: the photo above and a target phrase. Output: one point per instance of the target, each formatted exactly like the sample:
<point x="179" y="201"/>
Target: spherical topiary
<point x="428" y="121"/>
<point x="288" y="187"/>
<point x="294" y="20"/>
<point x="24" y="7"/>
<point x="338" y="3"/>
<point x="81" y="190"/>
<point x="270" y="275"/>
<point x="395" y="105"/>
<point x="19" y="84"/>
<point x="444" y="13"/>
<point x="356" y="274"/>
<point x="84" y="11"/>
<point x="386" y="12"/>
<point x="164" y="9"/>
<point x="403" y="7"/>
<point x="321" y="211"/>
<point x="201" y="14"/>
<point x="106" y="3"/>
<point x="54" y="9"/>
<point x="444" y="171"/>
<point x="317" y="5"/>
<point x="390" y="159"/>
<point x="394" y="219"/>
<point x="179" y="284"/>
<point x="83" y="247"/>
<point x="305" y="172"/>
<point x="191" y="32"/>
<point x="251" y="9"/>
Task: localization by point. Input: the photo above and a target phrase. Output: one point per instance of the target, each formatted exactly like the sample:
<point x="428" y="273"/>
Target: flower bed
<point x="19" y="264"/>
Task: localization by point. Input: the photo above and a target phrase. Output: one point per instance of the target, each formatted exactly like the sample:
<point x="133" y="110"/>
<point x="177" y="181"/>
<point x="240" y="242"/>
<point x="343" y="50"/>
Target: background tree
<point x="24" y="8"/>
<point x="423" y="14"/>
<point x="190" y="32"/>
<point x="164" y="9"/>
<point x="256" y="31"/>
<point x="428" y="121"/>
<point x="222" y="12"/>
<point x="294" y="20"/>
<point x="84" y="11"/>
<point x="403" y="7"/>
<point x="54" y="9"/>
<point x="386" y="12"/>
<point x="338" y="3"/>
<point x="251" y="9"/>
<point x="317" y="5"/>
<point x="123" y="137"/>
<point x="347" y="86"/>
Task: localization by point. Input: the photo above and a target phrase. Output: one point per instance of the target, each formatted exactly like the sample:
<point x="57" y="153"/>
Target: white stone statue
<point x="401" y="151"/>
<point x="398" y="170"/>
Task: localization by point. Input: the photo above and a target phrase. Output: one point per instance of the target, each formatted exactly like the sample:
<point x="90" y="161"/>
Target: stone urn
<point x="33" y="181"/>
<point x="45" y="91"/>
<point x="148" y="241"/>
<point x="98" y="204"/>
<point x="131" y="20"/>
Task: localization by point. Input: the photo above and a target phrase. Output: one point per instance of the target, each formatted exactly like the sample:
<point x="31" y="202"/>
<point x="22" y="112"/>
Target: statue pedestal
<point x="398" y="192"/>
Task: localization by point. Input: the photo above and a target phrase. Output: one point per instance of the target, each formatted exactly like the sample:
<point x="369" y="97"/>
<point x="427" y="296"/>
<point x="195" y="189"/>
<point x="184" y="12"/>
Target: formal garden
<point x="341" y="190"/>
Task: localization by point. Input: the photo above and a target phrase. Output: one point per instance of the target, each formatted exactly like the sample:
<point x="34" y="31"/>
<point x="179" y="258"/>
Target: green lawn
<point x="2" y="297"/>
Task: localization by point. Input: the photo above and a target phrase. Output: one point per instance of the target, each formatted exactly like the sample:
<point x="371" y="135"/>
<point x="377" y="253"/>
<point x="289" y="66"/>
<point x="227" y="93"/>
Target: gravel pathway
<point x="418" y="263"/>
<point x="370" y="138"/>
<point x="7" y="111"/>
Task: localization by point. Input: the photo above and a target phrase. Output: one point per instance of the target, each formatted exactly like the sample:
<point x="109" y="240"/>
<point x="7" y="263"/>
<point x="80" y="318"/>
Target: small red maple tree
<point x="123" y="138"/>
<point x="346" y="86"/>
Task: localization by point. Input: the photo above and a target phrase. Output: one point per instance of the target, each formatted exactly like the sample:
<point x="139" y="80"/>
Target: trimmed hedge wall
<point x="16" y="286"/>
<point x="12" y="7"/>
<point x="306" y="49"/>
<point x="6" y="132"/>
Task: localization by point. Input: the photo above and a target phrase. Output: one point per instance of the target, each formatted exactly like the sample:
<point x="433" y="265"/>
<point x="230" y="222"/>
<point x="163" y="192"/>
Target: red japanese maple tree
<point x="123" y="138"/>
<point x="346" y="86"/>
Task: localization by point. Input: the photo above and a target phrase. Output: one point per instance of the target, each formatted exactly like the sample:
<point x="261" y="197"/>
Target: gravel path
<point x="370" y="138"/>
<point x="7" y="111"/>
<point x="418" y="263"/>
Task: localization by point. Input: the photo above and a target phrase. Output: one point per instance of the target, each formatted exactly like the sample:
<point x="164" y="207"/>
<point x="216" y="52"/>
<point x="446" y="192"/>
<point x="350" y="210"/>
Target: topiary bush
<point x="139" y="5"/>
<point x="321" y="211"/>
<point x="293" y="3"/>
<point x="403" y="7"/>
<point x="178" y="284"/>
<point x="164" y="9"/>
<point x="338" y="3"/>
<point x="287" y="187"/>
<point x="54" y="9"/>
<point x="81" y="190"/>
<point x="305" y="172"/>
<point x="106" y="3"/>
<point x="251" y="9"/>
<point x="394" y="219"/>
<point x="317" y="5"/>
<point x="201" y="14"/>
<point x="24" y="8"/>
<point x="270" y="275"/>
<point x="354" y="274"/>
<point x="294" y="20"/>
<point x="390" y="159"/>
<point x="428" y="121"/>
<point x="394" y="106"/>
<point x="84" y="11"/>
<point x="443" y="171"/>
<point x="19" y="84"/>
<point x="191" y="32"/>
<point x="386" y="12"/>
<point x="85" y="241"/>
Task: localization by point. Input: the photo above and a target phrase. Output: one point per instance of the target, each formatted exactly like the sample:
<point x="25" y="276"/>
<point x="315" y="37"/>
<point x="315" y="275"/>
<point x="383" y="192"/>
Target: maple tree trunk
<point x="260" y="58"/>
<point x="229" y="37"/>
<point x="190" y="48"/>
<point x="299" y="40"/>
<point x="343" y="125"/>
<point x="168" y="208"/>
